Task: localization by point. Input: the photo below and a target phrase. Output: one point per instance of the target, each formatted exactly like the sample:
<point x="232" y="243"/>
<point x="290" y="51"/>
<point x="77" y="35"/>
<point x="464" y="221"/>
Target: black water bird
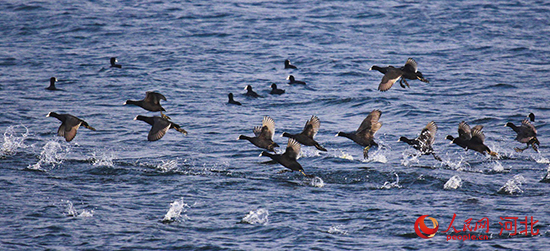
<point x="275" y="90"/>
<point x="251" y="93"/>
<point x="52" y="84"/>
<point x="114" y="63"/>
<point x="392" y="74"/>
<point x="289" y="158"/>
<point x="151" y="102"/>
<point x="159" y="127"/>
<point x="289" y="66"/>
<point x="424" y="141"/>
<point x="306" y="136"/>
<point x="69" y="125"/>
<point x="526" y="133"/>
<point x="471" y="138"/>
<point x="263" y="135"/>
<point x="364" y="136"/>
<point x="231" y="100"/>
<point x="292" y="81"/>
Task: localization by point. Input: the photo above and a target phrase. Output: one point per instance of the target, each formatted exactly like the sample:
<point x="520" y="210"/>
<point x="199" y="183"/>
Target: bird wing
<point x="478" y="136"/>
<point x="389" y="78"/>
<point x="268" y="128"/>
<point x="464" y="131"/>
<point x="153" y="97"/>
<point x="160" y="127"/>
<point x="370" y="120"/>
<point x="312" y="127"/>
<point x="526" y="132"/>
<point x="292" y="149"/>
<point x="257" y="130"/>
<point x="410" y="65"/>
<point x="427" y="136"/>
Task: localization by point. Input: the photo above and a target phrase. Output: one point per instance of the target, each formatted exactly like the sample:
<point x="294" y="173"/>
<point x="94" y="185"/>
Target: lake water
<point x="111" y="189"/>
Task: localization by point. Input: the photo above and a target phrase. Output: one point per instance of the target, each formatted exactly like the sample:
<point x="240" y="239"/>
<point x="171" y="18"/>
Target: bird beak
<point x="370" y="69"/>
<point x="245" y="87"/>
<point x="288" y="78"/>
<point x="124" y="103"/>
<point x="135" y="118"/>
<point x="48" y="114"/>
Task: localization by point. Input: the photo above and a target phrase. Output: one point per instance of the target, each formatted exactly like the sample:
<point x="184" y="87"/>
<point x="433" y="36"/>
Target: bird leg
<point x="407" y="83"/>
<point x="307" y="175"/>
<point x="181" y="130"/>
<point x="164" y="115"/>
<point x="436" y="157"/>
<point x="401" y="83"/>
<point x="519" y="150"/>
<point x="366" y="152"/>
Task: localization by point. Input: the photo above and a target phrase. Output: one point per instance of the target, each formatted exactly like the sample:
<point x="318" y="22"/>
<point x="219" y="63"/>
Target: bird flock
<point x="468" y="138"/>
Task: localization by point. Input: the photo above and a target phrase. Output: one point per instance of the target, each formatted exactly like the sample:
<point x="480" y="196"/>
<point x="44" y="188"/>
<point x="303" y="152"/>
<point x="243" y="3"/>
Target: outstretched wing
<point x="464" y="131"/>
<point x="160" y="127"/>
<point x="292" y="149"/>
<point x="154" y="97"/>
<point x="268" y="128"/>
<point x="389" y="78"/>
<point x="526" y="132"/>
<point x="370" y="124"/>
<point x="410" y="65"/>
<point x="312" y="127"/>
<point x="427" y="136"/>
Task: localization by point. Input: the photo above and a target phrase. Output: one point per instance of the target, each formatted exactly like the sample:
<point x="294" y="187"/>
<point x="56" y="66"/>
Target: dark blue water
<point x="111" y="189"/>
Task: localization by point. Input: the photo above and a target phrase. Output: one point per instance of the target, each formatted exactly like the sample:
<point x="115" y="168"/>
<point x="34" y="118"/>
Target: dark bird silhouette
<point x="392" y="74"/>
<point x="306" y="136"/>
<point x="159" y="127"/>
<point x="251" y="93"/>
<point x="526" y="133"/>
<point x="471" y="139"/>
<point x="424" y="141"/>
<point x="364" y="136"/>
<point x="289" y="66"/>
<point x="69" y="125"/>
<point x="114" y="64"/>
<point x="151" y="102"/>
<point x="274" y="90"/>
<point x="52" y="84"/>
<point x="231" y="100"/>
<point x="292" y="81"/>
<point x="289" y="158"/>
<point x="263" y="135"/>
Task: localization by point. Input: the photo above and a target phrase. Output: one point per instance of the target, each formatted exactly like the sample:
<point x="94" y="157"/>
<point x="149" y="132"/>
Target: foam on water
<point x="513" y="186"/>
<point x="541" y="159"/>
<point x="337" y="229"/>
<point x="377" y="156"/>
<point x="259" y="216"/>
<point x="174" y="213"/>
<point x="167" y="166"/>
<point x="389" y="185"/>
<point x="316" y="182"/>
<point x="496" y="166"/>
<point x="52" y="154"/>
<point x="71" y="211"/>
<point x="13" y="140"/>
<point x="103" y="159"/>
<point x="344" y="155"/>
<point x="309" y="152"/>
<point x="410" y="157"/>
<point x="453" y="183"/>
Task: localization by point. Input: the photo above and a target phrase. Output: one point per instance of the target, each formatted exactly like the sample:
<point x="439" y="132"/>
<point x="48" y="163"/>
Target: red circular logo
<point x="422" y="230"/>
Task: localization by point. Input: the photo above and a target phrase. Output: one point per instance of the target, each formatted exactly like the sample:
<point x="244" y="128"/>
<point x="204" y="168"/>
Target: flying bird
<point x="69" y="125"/>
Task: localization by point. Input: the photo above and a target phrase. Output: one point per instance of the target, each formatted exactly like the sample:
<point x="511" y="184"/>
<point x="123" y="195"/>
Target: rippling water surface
<point x="487" y="63"/>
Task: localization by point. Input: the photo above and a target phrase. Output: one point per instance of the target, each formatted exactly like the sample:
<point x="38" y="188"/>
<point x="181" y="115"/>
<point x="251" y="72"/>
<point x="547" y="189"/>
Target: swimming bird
<point x="274" y="90"/>
<point x="251" y="93"/>
<point x="159" y="127"/>
<point x="263" y="135"/>
<point x="52" y="84"/>
<point x="69" y="125"/>
<point x="114" y="64"/>
<point x="392" y="74"/>
<point x="364" y="136"/>
<point x="151" y="102"/>
<point x="289" y="158"/>
<point x="293" y="80"/>
<point x="306" y="136"/>
<point x="526" y="133"/>
<point x="471" y="138"/>
<point x="231" y="100"/>
<point x="289" y="66"/>
<point x="424" y="141"/>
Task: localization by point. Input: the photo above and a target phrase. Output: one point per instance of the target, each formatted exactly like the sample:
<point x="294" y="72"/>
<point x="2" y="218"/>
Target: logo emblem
<point x="422" y="230"/>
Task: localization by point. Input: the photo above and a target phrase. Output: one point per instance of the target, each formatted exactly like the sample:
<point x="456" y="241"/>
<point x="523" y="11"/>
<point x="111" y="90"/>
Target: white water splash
<point x="167" y="166"/>
<point x="310" y="152"/>
<point x="541" y="160"/>
<point x="259" y="216"/>
<point x="389" y="185"/>
<point x="453" y="183"/>
<point x="52" y="154"/>
<point x="337" y="229"/>
<point x="410" y="157"/>
<point x="513" y="186"/>
<point x="547" y="175"/>
<point x="70" y="211"/>
<point x="498" y="167"/>
<point x="377" y="156"/>
<point x="13" y="140"/>
<point x="316" y="182"/>
<point x="345" y="155"/>
<point x="103" y="159"/>
<point x="174" y="213"/>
